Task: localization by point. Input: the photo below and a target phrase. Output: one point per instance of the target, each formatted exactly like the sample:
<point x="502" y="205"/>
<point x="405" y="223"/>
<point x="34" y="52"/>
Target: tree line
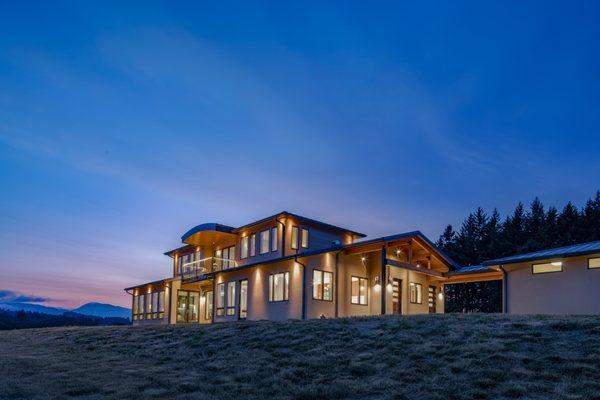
<point x="29" y="319"/>
<point x="484" y="236"/>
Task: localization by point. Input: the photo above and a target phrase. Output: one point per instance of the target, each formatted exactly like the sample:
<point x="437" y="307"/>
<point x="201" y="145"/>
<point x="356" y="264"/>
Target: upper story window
<point x="295" y="237"/>
<point x="274" y="239"/>
<point x="416" y="293"/>
<point x="304" y="239"/>
<point x="279" y="286"/>
<point x="225" y="257"/>
<point x="594" y="263"/>
<point x="265" y="241"/>
<point x="186" y="260"/>
<point x="244" y="243"/>
<point x="322" y="285"/>
<point x="546" y="268"/>
<point x="253" y="245"/>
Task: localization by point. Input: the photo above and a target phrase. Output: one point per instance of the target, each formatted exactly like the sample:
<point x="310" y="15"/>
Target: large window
<point x="188" y="306"/>
<point x="208" y="305"/>
<point x="186" y="260"/>
<point x="221" y="299"/>
<point x="416" y="293"/>
<point x="279" y="286"/>
<point x="294" y="237"/>
<point x="230" y="298"/>
<point x="243" y="299"/>
<point x="358" y="290"/>
<point x="253" y="245"/>
<point x="265" y="241"/>
<point x="274" y="239"/>
<point x="225" y="257"/>
<point x="322" y="285"/>
<point x="138" y="307"/>
<point x="244" y="247"/>
<point x="594" y="263"/>
<point x="546" y="268"/>
<point x="304" y="241"/>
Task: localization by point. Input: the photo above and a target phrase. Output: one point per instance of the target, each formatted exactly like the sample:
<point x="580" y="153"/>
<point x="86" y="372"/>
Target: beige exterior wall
<point x="572" y="291"/>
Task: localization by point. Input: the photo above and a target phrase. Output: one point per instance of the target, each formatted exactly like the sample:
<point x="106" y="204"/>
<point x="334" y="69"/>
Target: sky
<point x="122" y="125"/>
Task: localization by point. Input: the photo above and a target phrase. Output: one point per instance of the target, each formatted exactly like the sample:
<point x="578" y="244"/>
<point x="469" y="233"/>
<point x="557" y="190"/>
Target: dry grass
<point x="422" y="357"/>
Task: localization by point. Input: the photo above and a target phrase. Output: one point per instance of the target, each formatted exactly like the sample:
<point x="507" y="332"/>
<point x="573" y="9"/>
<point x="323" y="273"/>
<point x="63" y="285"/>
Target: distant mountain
<point x="103" y="310"/>
<point x="91" y="309"/>
<point x="15" y="306"/>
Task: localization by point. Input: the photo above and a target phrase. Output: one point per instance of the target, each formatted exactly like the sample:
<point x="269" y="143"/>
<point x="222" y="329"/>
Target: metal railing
<point x="197" y="270"/>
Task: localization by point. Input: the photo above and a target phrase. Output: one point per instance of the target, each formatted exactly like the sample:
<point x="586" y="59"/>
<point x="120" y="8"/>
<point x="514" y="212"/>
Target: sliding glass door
<point x="188" y="306"/>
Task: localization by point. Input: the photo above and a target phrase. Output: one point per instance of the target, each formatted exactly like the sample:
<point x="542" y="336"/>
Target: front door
<point x="431" y="299"/>
<point x="397" y="296"/>
<point x="187" y="306"/>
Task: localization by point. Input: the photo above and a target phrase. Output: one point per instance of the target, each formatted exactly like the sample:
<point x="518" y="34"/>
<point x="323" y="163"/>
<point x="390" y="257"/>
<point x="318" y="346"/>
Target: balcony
<point x="197" y="270"/>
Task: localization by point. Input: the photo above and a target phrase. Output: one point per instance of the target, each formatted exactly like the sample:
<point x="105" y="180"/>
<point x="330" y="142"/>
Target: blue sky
<point x="123" y="125"/>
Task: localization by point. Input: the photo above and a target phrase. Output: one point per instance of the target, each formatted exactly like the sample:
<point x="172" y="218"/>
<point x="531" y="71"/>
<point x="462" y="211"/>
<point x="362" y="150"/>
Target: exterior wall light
<point x="377" y="281"/>
<point x="389" y="284"/>
<point x="441" y="296"/>
<point x="363" y="258"/>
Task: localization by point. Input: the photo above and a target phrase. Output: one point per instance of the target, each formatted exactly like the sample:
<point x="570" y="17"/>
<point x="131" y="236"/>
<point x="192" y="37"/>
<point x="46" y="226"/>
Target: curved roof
<point x="209" y="227"/>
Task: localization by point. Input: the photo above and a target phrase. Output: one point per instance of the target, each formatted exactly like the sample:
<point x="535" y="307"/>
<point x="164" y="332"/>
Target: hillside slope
<point x="422" y="357"/>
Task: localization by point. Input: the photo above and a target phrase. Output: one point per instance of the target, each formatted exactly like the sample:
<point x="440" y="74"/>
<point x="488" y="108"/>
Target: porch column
<point x="383" y="278"/>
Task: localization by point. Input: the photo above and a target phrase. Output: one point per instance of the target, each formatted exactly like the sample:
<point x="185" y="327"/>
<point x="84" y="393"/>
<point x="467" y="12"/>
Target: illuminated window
<point x="358" y="290"/>
<point x="416" y="293"/>
<point x="228" y="257"/>
<point x="221" y="299"/>
<point x="244" y="247"/>
<point x="155" y="305"/>
<point x="294" y="237"/>
<point x="134" y="310"/>
<point x="253" y="245"/>
<point x="546" y="268"/>
<point x="208" y="307"/>
<point x="265" y="241"/>
<point x="274" y="239"/>
<point x="243" y="299"/>
<point x="231" y="298"/>
<point x="594" y="263"/>
<point x="279" y="286"/>
<point x="304" y="242"/>
<point x="161" y="304"/>
<point x="322" y="285"/>
<point x="141" y="306"/>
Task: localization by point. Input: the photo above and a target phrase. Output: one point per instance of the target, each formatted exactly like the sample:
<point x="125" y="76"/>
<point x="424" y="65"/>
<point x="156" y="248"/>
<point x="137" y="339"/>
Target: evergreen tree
<point x="534" y="223"/>
<point x="591" y="219"/>
<point x="569" y="225"/>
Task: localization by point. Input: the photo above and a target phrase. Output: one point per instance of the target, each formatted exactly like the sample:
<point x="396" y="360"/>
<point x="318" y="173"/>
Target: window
<point x="230" y="298"/>
<point x="243" y="299"/>
<point x="148" y="305"/>
<point x="155" y="305"/>
<point x="265" y="241"/>
<point x="141" y="306"/>
<point x="244" y="247"/>
<point x="358" y="290"/>
<point x="253" y="245"/>
<point x="279" y="286"/>
<point x="187" y="262"/>
<point x="547" y="268"/>
<point x="322" y="285"/>
<point x="187" y="306"/>
<point x="416" y="293"/>
<point x="208" y="305"/>
<point x="134" y="311"/>
<point x="294" y="238"/>
<point x="594" y="263"/>
<point x="221" y="299"/>
<point x="274" y="239"/>
<point x="161" y="304"/>
<point x="304" y="242"/>
<point x="228" y="254"/>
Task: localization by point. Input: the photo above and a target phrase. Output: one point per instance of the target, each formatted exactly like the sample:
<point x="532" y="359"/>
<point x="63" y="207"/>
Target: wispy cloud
<point x="8" y="296"/>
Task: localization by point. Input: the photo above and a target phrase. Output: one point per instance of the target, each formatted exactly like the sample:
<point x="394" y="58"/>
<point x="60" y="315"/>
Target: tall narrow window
<point x="155" y="305"/>
<point x="416" y="293"/>
<point x="244" y="247"/>
<point x="134" y="311"/>
<point x="264" y="241"/>
<point x="359" y="290"/>
<point x="253" y="245"/>
<point x="243" y="299"/>
<point x="208" y="305"/>
<point x="279" y="286"/>
<point x="161" y="304"/>
<point x="149" y="305"/>
<point x="274" y="239"/>
<point x="594" y="263"/>
<point x="231" y="298"/>
<point x="141" y="306"/>
<point x="304" y="241"/>
<point x="322" y="285"/>
<point x="294" y="238"/>
<point x="221" y="299"/>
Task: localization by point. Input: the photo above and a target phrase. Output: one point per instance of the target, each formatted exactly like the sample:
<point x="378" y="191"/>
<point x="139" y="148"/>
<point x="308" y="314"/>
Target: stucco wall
<point x="572" y="291"/>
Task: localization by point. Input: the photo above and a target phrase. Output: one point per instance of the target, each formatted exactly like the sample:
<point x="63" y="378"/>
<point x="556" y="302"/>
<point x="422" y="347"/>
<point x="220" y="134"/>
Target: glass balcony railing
<point x="197" y="270"/>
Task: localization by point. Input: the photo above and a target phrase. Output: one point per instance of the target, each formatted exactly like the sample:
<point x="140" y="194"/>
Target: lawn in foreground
<point x="417" y="357"/>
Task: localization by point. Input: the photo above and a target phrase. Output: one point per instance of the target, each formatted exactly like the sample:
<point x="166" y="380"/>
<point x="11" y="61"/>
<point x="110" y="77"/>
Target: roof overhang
<point x="208" y="234"/>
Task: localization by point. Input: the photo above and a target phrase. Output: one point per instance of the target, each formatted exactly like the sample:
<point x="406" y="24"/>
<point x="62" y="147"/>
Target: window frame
<point x="418" y="292"/>
<point x="286" y="287"/>
<point x="244" y="247"/>
<point x="230" y="308"/>
<point x="243" y="313"/>
<point x="274" y="238"/>
<point x="547" y="272"/>
<point x="302" y="231"/>
<point x="322" y="291"/>
<point x="208" y="315"/>
<point x="262" y="241"/>
<point x="360" y="280"/>
<point x="589" y="263"/>
<point x="220" y="311"/>
<point x="253" y="245"/>
<point x="294" y="242"/>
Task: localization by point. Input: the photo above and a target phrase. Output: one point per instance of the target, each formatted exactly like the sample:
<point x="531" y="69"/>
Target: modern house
<point x="289" y="266"/>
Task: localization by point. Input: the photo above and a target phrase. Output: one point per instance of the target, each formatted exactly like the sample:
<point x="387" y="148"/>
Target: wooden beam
<point x="476" y="277"/>
<point x="412" y="267"/>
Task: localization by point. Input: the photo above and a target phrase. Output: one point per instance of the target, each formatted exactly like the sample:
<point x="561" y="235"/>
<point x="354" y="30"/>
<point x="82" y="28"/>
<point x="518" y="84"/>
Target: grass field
<point x="420" y="357"/>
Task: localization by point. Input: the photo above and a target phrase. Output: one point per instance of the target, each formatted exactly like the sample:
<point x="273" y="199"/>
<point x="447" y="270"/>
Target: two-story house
<point x="289" y="266"/>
